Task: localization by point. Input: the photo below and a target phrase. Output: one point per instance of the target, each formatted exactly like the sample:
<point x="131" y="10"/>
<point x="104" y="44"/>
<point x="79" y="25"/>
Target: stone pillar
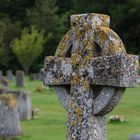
<point x="20" y="78"/>
<point x="9" y="118"/>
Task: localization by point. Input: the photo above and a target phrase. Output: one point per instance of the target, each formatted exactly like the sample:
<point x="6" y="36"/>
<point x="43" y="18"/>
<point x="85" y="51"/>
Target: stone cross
<point x="90" y="72"/>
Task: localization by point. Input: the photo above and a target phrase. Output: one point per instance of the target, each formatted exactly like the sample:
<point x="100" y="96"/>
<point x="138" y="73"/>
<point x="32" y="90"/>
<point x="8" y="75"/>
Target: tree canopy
<point x="52" y="16"/>
<point x="28" y="47"/>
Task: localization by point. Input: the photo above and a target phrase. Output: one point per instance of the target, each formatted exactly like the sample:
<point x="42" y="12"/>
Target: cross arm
<point x="57" y="71"/>
<point x="117" y="70"/>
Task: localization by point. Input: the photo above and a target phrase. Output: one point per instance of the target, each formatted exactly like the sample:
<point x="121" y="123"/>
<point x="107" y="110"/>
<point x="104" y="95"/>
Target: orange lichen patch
<point x="75" y="59"/>
<point x="80" y="33"/>
<point x="63" y="47"/>
<point x="9" y="100"/>
<point x="84" y="84"/>
<point x="102" y="35"/>
<point x="75" y="79"/>
<point x="80" y="119"/>
<point x="79" y="111"/>
<point x="50" y="59"/>
<point x="75" y="108"/>
<point x="14" y="102"/>
<point x="109" y="41"/>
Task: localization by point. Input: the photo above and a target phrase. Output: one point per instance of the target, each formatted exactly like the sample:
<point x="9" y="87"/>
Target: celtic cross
<point x="90" y="72"/>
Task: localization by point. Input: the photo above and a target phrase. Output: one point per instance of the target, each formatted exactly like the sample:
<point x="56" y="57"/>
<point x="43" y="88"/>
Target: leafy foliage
<point x="52" y="16"/>
<point x="28" y="48"/>
<point x="2" y="57"/>
<point x="44" y="16"/>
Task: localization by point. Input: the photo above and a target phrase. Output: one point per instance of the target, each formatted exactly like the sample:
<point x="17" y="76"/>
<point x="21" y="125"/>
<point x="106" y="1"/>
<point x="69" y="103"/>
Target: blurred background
<point x="32" y="29"/>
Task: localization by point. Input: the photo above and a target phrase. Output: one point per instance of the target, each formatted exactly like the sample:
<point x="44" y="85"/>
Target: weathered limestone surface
<point x="9" y="118"/>
<point x="24" y="105"/>
<point x="108" y="70"/>
<point x="91" y="80"/>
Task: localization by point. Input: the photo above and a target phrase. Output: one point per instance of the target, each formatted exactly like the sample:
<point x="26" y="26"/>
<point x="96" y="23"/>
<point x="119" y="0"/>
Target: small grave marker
<point x="20" y="78"/>
<point x="9" y="75"/>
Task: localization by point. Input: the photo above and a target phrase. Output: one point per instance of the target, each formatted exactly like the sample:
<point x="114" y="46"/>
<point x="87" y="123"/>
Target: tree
<point x="2" y="55"/>
<point x="8" y="32"/>
<point x="15" y="10"/>
<point x="29" y="47"/>
<point x="44" y="15"/>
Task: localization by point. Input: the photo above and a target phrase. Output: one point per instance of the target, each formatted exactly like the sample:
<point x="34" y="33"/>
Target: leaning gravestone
<point x="9" y="119"/>
<point x="90" y="80"/>
<point x="20" y="78"/>
<point x="9" y="75"/>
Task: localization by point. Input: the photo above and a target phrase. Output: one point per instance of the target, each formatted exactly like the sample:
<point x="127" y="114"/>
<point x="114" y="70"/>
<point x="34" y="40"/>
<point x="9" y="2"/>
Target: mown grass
<point x="51" y="123"/>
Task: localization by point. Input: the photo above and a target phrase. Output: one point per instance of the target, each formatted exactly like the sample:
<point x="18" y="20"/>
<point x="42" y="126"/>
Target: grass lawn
<point x="50" y="125"/>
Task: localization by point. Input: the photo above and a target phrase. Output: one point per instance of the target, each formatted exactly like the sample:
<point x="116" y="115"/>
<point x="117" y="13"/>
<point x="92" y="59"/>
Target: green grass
<point x="50" y="125"/>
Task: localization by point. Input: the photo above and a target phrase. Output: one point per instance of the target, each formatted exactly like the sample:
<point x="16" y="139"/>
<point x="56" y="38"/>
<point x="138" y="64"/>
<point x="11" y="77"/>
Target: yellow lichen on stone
<point x="102" y="35"/>
<point x="50" y="58"/>
<point x="9" y="100"/>
<point x="79" y="111"/>
<point x="75" y="59"/>
<point x="63" y="47"/>
<point x="109" y="41"/>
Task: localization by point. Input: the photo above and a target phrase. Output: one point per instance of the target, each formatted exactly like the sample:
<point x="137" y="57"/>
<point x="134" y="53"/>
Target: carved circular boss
<point x="93" y="53"/>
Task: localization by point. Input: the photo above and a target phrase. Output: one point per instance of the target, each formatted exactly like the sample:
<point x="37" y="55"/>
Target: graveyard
<point x="69" y="70"/>
<point x="51" y="120"/>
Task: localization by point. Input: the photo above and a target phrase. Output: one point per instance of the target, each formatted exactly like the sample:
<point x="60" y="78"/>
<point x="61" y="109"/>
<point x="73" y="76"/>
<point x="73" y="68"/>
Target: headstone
<point x="20" y="78"/>
<point x="3" y="88"/>
<point x="9" y="119"/>
<point x="32" y="77"/>
<point x="5" y="81"/>
<point x="1" y="76"/>
<point x="35" y="76"/>
<point x="134" y="137"/>
<point x="90" y="71"/>
<point x="24" y="103"/>
<point x="9" y="75"/>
